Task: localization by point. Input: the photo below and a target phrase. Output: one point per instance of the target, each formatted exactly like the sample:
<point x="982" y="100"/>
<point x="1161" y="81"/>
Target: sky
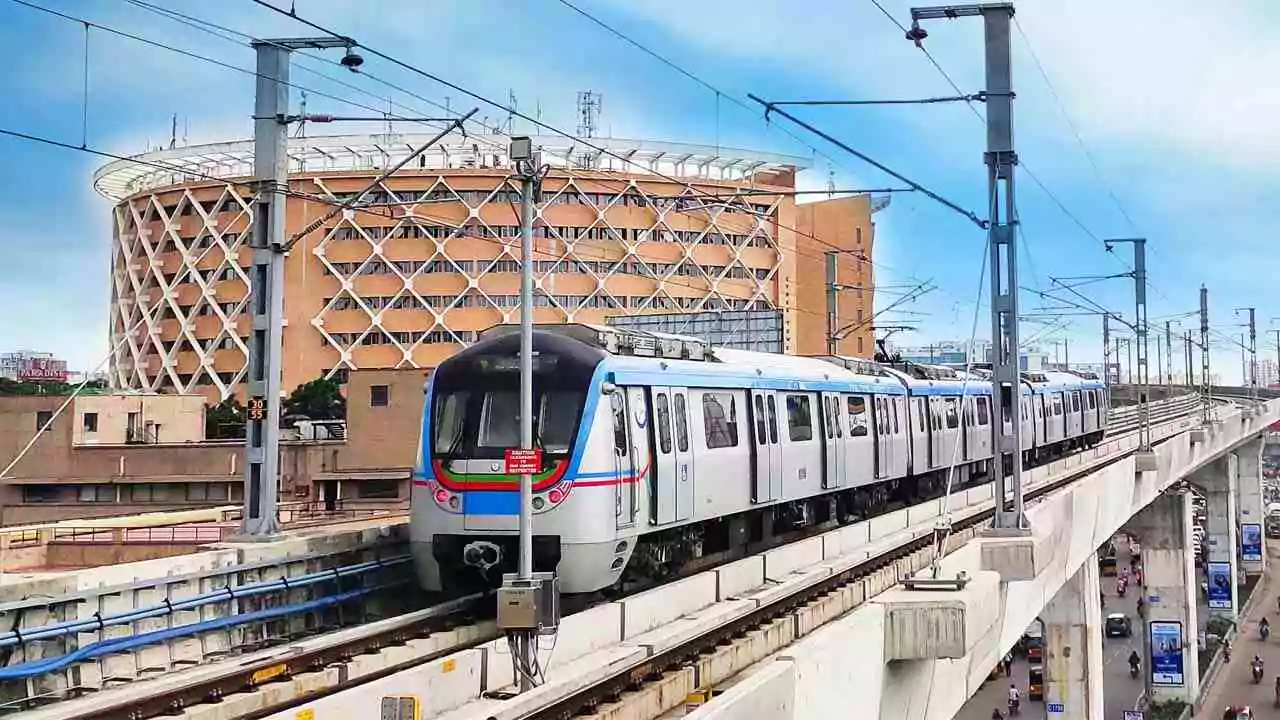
<point x="1146" y="118"/>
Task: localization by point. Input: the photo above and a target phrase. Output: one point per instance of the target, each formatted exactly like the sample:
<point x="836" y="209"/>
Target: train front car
<point x="466" y="507"/>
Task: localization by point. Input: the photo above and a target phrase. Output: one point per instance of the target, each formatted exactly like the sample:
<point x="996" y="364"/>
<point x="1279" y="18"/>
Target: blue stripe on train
<point x="491" y="503"/>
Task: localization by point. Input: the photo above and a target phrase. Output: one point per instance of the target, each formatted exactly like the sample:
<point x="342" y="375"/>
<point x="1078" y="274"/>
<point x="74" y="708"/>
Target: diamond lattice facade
<point x="432" y="256"/>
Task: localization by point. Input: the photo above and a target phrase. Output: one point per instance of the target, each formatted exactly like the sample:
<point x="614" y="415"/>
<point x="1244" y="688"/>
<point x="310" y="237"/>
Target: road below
<point x="1120" y="691"/>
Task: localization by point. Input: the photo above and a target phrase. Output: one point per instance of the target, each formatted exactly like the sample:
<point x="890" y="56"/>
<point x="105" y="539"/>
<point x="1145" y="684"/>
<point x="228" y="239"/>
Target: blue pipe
<point x="224" y="594"/>
<point x="107" y="647"/>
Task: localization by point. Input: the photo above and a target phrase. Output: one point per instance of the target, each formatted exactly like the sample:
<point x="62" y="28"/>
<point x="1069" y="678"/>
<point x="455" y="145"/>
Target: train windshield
<point x="483" y="424"/>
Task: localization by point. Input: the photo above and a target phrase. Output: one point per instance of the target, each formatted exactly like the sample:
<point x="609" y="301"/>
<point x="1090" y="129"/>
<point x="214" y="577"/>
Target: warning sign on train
<point x="522" y="462"/>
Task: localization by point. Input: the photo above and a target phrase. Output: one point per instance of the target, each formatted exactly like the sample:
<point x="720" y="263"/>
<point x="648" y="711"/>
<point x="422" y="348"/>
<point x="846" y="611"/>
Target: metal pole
<point x="1277" y="332"/>
<point x="1253" y="354"/>
<point x="1106" y="352"/>
<point x="1168" y="351"/>
<point x="526" y="641"/>
<point x="1140" y="332"/>
<point x="266" y="296"/>
<point x="1001" y="159"/>
<point x="1066" y="353"/>
<point x="831" y="303"/>
<point x="1191" y="376"/>
<point x="1206" y="388"/>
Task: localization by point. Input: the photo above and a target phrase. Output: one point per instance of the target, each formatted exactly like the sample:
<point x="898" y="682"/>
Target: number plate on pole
<point x="257" y="409"/>
<point x="1056" y="707"/>
<point x="522" y="462"/>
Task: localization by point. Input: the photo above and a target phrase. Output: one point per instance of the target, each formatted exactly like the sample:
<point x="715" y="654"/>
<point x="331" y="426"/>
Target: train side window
<point x="664" y="423"/>
<point x="835" y="417"/>
<point x="799" y="418"/>
<point x="826" y="417"/>
<point x="1057" y="403"/>
<point x="953" y="417"/>
<point x="682" y="424"/>
<point x="761" y="439"/>
<point x="893" y="404"/>
<point x="720" y="420"/>
<point x="1092" y="397"/>
<point x="920" y="415"/>
<point x="857" y="407"/>
<point x="619" y="423"/>
<point x="984" y="411"/>
<point x="1075" y="402"/>
<point x="773" y="420"/>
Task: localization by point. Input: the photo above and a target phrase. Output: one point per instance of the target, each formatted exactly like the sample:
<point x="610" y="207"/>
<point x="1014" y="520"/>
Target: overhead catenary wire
<point x="604" y="151"/>
<point x="221" y="31"/>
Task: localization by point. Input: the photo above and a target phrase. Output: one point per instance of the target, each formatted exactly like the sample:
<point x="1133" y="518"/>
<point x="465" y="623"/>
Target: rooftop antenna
<point x="511" y="111"/>
<point x="538" y="110"/>
<point x="186" y="130"/>
<point x="173" y="132"/>
<point x="831" y="182"/>
<point x="588" y="113"/>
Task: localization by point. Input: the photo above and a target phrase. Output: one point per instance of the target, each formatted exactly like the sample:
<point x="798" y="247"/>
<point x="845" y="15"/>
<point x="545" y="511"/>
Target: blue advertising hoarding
<point x="1166" y="653"/>
<point x="1251" y="542"/>
<point x="1219" y="585"/>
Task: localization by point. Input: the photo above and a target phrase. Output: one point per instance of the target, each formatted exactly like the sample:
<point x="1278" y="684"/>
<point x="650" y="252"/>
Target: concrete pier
<point x="1073" y="648"/>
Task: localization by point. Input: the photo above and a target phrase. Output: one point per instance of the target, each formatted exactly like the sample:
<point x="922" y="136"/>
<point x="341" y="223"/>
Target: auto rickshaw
<point x="1035" y="683"/>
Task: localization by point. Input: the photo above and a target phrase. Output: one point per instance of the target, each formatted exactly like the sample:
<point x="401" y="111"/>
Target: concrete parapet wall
<point x="28" y="602"/>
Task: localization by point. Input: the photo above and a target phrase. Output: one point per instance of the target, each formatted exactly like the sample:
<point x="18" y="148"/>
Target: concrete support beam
<point x="1252" y="506"/>
<point x="1073" y="647"/>
<point x="939" y="624"/>
<point x="1017" y="556"/>
<point x="1164" y="530"/>
<point x="1219" y="482"/>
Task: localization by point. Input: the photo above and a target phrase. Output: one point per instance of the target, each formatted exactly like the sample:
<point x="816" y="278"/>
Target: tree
<point x="225" y="420"/>
<point x="319" y="399"/>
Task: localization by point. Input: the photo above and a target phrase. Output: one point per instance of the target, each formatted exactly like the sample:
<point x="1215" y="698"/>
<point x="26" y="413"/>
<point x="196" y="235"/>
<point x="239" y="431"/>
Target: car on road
<point x="1118" y="625"/>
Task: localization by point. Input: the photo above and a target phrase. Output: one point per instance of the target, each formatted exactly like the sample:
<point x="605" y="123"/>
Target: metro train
<point x="658" y="450"/>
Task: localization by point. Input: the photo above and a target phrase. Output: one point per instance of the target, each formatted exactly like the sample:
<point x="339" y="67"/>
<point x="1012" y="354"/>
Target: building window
<point x="91" y="422"/>
<point x="43" y="417"/>
<point x="378" y="489"/>
<point x="205" y="492"/>
<point x="40" y="493"/>
<point x="379" y="395"/>
<point x="97" y="493"/>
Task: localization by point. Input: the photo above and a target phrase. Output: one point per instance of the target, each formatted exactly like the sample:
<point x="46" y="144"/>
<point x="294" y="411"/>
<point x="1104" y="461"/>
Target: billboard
<point x="1219" y="585"/>
<point x="1251" y="542"/>
<point x="1166" y="653"/>
<point x="43" y="369"/>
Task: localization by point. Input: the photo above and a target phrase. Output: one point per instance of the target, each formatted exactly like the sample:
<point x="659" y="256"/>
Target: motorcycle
<point x="1265" y="632"/>
<point x="1133" y="671"/>
<point x="1257" y="673"/>
<point x="1014" y="707"/>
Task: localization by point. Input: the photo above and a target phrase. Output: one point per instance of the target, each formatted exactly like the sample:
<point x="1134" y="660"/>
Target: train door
<point x="833" y="433"/>
<point x="767" y="483"/>
<point x="630" y="450"/>
<point x="684" y="456"/>
<point x="884" y="443"/>
<point x="662" y="499"/>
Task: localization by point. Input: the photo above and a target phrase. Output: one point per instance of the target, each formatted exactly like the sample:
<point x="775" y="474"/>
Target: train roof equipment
<point x="621" y="341"/>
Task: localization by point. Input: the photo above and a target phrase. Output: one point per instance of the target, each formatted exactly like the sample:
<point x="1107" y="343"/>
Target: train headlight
<point x="442" y="496"/>
<point x="454" y="502"/>
<point x="539" y="503"/>
<point x="555" y="496"/>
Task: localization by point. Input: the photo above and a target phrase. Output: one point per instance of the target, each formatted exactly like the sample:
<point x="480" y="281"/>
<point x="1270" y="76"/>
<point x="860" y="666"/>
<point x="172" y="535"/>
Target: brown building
<point x="432" y="258"/>
<point x="92" y="462"/>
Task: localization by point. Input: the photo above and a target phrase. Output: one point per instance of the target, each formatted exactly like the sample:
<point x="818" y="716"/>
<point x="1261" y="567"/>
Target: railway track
<point x="429" y="634"/>
<point x="654" y="668"/>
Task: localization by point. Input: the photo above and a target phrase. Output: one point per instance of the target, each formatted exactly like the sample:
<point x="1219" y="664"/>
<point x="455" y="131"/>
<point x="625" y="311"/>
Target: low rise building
<point x="121" y="454"/>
